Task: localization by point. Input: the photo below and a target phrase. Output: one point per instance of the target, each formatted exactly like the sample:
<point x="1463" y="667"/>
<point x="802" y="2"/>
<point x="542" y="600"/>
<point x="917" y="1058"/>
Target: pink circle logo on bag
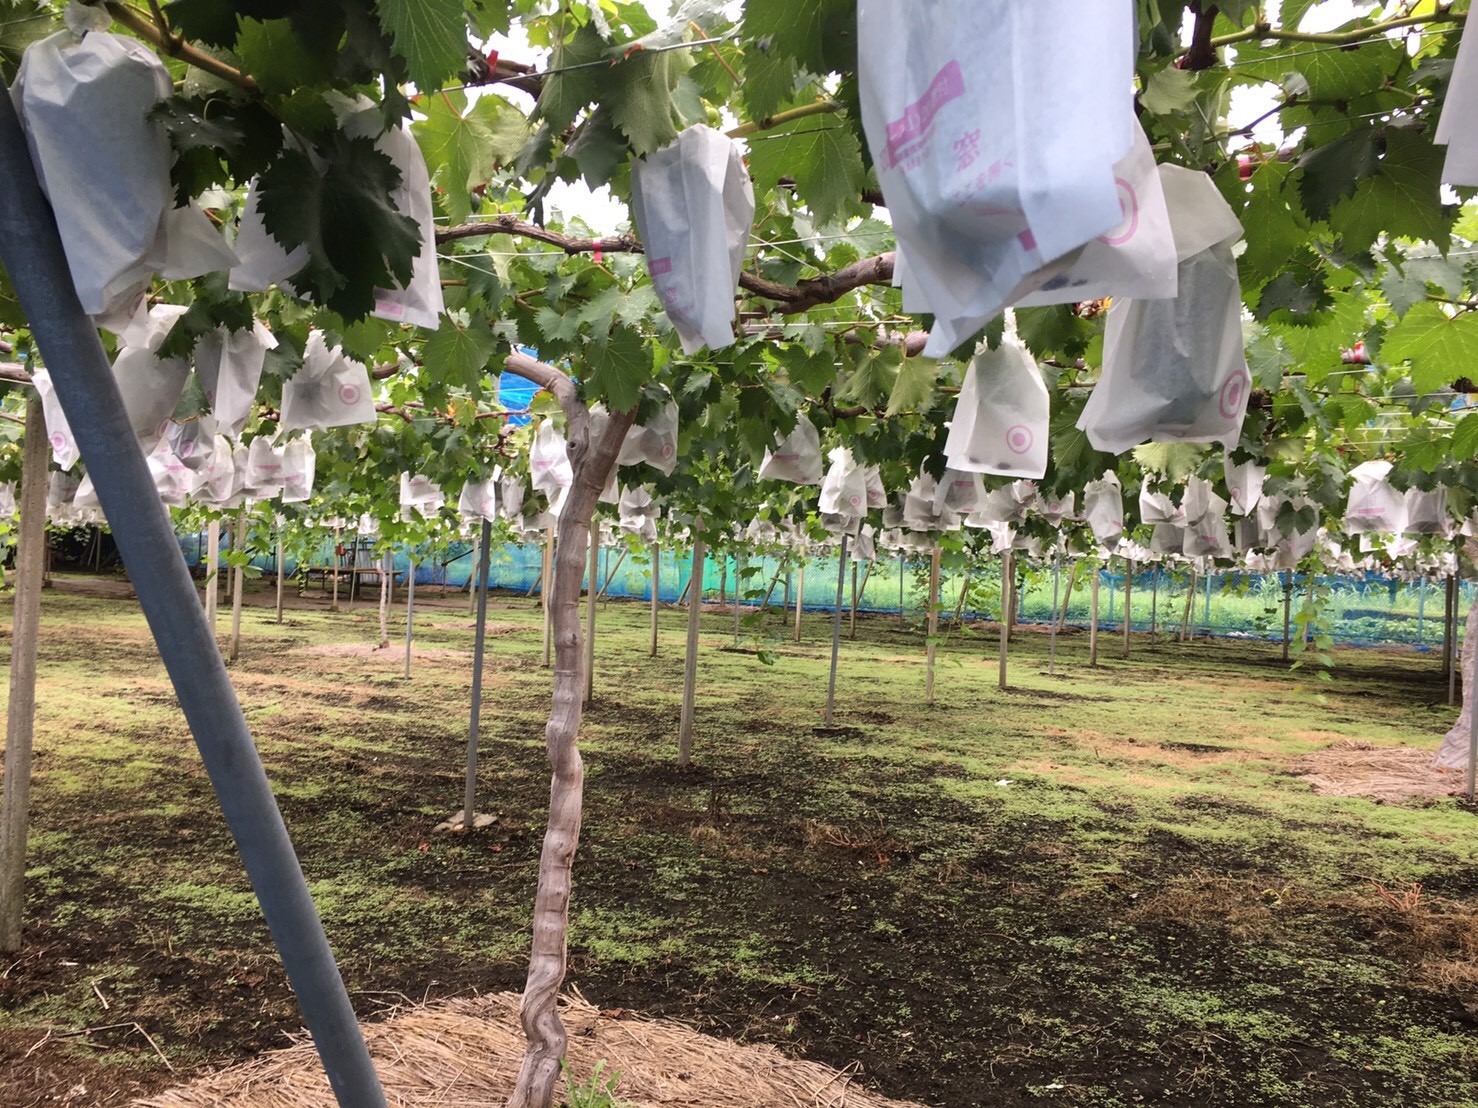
<point x="668" y="450"/>
<point x="58" y="441"/>
<point x="1129" y="205"/>
<point x="349" y="394"/>
<point x="1019" y="439"/>
<point x="186" y="450"/>
<point x="1233" y="395"/>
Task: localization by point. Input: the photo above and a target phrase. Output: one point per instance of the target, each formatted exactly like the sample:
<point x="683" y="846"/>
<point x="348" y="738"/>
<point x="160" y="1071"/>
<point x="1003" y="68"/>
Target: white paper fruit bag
<point x="694" y="205"/>
<point x="990" y="170"/>
<point x="58" y="433"/>
<point x="151" y="386"/>
<point x="104" y="165"/>
<point x="229" y="364"/>
<point x="1175" y="370"/>
<point x="796" y="457"/>
<point x="330" y="389"/>
<point x="1001" y="415"/>
<point x="1136" y="257"/>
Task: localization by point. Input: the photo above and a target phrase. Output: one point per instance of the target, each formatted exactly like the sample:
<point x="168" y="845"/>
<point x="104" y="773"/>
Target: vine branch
<point x="1265" y="31"/>
<point x="176" y="47"/>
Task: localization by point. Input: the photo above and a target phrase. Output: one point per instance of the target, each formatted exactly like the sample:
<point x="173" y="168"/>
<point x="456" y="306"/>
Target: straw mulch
<point x="1387" y="773"/>
<point x="465" y="1054"/>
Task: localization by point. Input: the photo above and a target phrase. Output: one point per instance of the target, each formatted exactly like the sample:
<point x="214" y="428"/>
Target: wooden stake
<point x="933" y="625"/>
<point x="1008" y="586"/>
<point x="212" y="567"/>
<point x="334" y="605"/>
<point x="546" y="591"/>
<point x="800" y="595"/>
<point x="1093" y="620"/>
<point x="1128" y="606"/>
<point x="410" y="610"/>
<point x="1052" y="629"/>
<point x="836" y="629"/>
<point x="21" y="710"/>
<point x="690" y="662"/>
<point x="656" y="578"/>
<point x="1072" y="578"/>
<point x="237" y="581"/>
<point x="592" y="593"/>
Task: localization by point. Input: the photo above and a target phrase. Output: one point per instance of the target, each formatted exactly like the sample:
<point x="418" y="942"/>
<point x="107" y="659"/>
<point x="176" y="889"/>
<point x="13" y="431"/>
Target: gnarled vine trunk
<point x="592" y="461"/>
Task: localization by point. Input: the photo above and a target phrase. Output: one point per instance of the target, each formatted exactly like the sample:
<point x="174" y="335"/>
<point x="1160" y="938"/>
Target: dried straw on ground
<point x="465" y="1054"/>
<point x="1389" y="773"/>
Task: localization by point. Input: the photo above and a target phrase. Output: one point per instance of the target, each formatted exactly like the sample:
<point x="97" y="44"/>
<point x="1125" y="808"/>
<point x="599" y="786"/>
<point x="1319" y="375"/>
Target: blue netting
<point x="1358" y="611"/>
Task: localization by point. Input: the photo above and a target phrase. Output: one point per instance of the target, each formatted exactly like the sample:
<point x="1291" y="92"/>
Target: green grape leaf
<point x="873" y="375"/>
<point x="639" y="92"/>
<point x="458" y="149"/>
<point x="272" y="54"/>
<point x="797" y="30"/>
<point x="431" y="35"/>
<point x="356" y="238"/>
<point x="213" y="22"/>
<point x="458" y="354"/>
<point x="1169" y="90"/>
<point x="574" y="80"/>
<point x="620" y="365"/>
<point x="1438" y="346"/>
<point x="914" y="389"/>
<point x="1402" y="199"/>
<point x="1331" y="172"/>
<point x="769" y="81"/>
<point x="1294" y="296"/>
<point x="824" y="159"/>
<point x="1465" y="438"/>
<point x="1276" y="228"/>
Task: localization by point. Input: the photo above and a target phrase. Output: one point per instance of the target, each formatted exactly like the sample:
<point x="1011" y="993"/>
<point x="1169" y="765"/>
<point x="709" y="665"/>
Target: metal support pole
<point x="469" y="794"/>
<point x="31" y="250"/>
<point x="836" y="630"/>
<point x="281" y="575"/>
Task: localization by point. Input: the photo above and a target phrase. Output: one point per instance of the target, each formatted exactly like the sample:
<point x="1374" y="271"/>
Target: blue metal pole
<point x="31" y="250"/>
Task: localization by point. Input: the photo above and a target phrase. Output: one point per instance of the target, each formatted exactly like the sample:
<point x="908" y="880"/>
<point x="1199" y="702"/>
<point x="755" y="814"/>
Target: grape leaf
<point x="1465" y="438"/>
<point x="573" y="81"/>
<point x="639" y="94"/>
<point x="1403" y="198"/>
<point x="457" y="148"/>
<point x="822" y="157"/>
<point x="459" y="354"/>
<point x="1439" y="347"/>
<point x="1169" y="90"/>
<point x="273" y="56"/>
<point x="769" y="81"/>
<point x="914" y="389"/>
<point x="619" y="366"/>
<point x="357" y="240"/>
<point x="431" y="35"/>
<point x="797" y="30"/>
<point x="1331" y="172"/>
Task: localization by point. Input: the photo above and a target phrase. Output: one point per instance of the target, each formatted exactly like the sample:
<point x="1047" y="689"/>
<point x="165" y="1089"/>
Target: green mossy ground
<point x="1103" y="887"/>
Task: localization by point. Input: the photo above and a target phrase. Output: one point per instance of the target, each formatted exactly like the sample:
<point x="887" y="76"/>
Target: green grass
<point x="1098" y="887"/>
